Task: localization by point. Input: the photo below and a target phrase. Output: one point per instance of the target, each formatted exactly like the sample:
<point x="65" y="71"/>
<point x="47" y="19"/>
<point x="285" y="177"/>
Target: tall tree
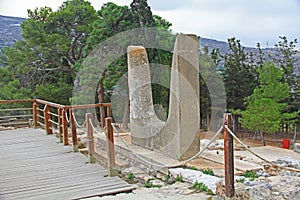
<point x="239" y="77"/>
<point x="114" y="19"/>
<point x="265" y="109"/>
<point x="53" y="44"/>
<point x="286" y="59"/>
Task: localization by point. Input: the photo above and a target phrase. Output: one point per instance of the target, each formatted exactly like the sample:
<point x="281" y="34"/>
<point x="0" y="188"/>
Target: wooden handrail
<point x="42" y="109"/>
<point x="55" y="105"/>
<point x="62" y="121"/>
<point x="17" y="101"/>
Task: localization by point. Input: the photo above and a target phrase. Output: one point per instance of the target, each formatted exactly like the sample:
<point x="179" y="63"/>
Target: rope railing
<point x="66" y="115"/>
<point x="258" y="156"/>
<point x="77" y="124"/>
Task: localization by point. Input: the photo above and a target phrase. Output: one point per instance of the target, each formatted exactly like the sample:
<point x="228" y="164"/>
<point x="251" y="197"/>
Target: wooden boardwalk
<point x="34" y="165"/>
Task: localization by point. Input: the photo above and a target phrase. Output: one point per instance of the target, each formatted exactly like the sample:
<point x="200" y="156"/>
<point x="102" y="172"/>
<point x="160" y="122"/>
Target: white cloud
<point x="250" y="21"/>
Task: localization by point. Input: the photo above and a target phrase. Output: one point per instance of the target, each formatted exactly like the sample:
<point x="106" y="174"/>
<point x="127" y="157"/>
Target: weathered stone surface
<point x="179" y="136"/>
<point x="296" y="147"/>
<point x="192" y="176"/>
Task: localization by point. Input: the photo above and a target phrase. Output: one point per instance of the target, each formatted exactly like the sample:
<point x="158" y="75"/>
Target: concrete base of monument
<point x="152" y="161"/>
<point x="130" y="155"/>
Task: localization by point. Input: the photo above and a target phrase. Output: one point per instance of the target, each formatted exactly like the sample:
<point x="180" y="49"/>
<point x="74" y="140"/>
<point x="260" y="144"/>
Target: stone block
<point x="296" y="147"/>
<point x="179" y="135"/>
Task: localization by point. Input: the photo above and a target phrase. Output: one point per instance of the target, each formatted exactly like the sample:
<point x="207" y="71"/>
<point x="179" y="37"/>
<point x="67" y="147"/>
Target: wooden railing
<point x="59" y="119"/>
<point x="17" y="113"/>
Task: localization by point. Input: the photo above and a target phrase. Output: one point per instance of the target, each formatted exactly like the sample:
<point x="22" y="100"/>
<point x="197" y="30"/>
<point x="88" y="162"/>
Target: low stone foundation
<point x="296" y="147"/>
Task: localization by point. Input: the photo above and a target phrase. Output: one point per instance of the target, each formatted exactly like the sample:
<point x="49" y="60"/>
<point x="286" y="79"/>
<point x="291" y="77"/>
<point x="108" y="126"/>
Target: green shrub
<point x="130" y="176"/>
<point x="251" y="174"/>
<point x="148" y="184"/>
<point x="178" y="179"/>
<point x="167" y="177"/>
<point x="200" y="187"/>
<point x="208" y="171"/>
<point x="242" y="180"/>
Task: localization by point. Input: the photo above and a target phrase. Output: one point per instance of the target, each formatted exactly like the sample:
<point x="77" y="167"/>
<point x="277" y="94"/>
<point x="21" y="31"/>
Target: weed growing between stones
<point x="201" y="187"/>
<point x="208" y="171"/>
<point x="241" y="180"/>
<point x="251" y="174"/>
<point x="149" y="184"/>
<point x="179" y="178"/>
<point x="130" y="176"/>
<point x="167" y="178"/>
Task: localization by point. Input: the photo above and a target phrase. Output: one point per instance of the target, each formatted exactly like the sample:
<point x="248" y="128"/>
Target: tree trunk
<point x="207" y="121"/>
<point x="262" y="134"/>
<point x="101" y="100"/>
<point x="236" y="122"/>
<point x="126" y="115"/>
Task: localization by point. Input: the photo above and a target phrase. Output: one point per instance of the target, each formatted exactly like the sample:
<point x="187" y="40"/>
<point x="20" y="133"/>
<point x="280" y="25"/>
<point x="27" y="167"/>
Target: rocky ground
<point x="183" y="183"/>
<point x="191" y="183"/>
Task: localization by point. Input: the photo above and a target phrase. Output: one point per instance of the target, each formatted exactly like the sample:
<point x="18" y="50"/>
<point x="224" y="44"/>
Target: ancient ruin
<point x="179" y="135"/>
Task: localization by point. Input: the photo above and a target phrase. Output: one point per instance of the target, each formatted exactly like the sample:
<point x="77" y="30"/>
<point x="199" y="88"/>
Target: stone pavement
<point x="176" y="191"/>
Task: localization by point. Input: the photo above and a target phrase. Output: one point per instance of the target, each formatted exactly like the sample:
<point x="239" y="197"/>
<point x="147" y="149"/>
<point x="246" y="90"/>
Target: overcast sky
<point x="251" y="21"/>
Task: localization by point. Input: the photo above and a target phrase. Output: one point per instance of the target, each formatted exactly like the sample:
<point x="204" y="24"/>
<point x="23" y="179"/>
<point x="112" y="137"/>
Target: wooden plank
<point x="36" y="166"/>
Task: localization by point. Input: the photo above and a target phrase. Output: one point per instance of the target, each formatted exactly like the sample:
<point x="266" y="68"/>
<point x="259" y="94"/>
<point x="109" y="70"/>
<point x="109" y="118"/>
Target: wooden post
<point x="65" y="127"/>
<point x="35" y="113"/>
<point x="228" y="156"/>
<point x="47" y="117"/>
<point x="90" y="135"/>
<point x="73" y="130"/>
<point x="60" y="124"/>
<point x="110" y="147"/>
<point x="108" y="111"/>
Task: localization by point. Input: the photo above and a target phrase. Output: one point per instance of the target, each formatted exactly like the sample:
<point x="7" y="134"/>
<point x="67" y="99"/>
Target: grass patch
<point x="167" y="178"/>
<point x="201" y="187"/>
<point x="251" y="174"/>
<point x="208" y="171"/>
<point x="130" y="176"/>
<point x="242" y="180"/>
<point x="179" y="178"/>
<point x="148" y="184"/>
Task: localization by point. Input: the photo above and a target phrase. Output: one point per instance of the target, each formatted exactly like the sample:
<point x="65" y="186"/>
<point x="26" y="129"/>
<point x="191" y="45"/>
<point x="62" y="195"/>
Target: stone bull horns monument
<point x="179" y="135"/>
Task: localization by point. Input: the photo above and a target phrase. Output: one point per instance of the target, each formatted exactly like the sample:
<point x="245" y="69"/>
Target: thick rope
<point x="67" y="117"/>
<point x="76" y="122"/>
<point x="94" y="129"/>
<point x="267" y="161"/>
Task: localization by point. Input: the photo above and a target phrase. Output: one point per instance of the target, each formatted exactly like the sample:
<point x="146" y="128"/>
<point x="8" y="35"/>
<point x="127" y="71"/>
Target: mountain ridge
<point x="10" y="32"/>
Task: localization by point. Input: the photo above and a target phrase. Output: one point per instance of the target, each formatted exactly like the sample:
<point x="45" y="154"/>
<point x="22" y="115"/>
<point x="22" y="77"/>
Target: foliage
<point x="201" y="187"/>
<point x="250" y="174"/>
<point x="167" y="178"/>
<point x="58" y="93"/>
<point x="11" y="88"/>
<point x="241" y="180"/>
<point x="148" y="184"/>
<point x="179" y="178"/>
<point x="130" y="176"/>
<point x="264" y="111"/>
<point x="285" y="58"/>
<point x="239" y="77"/>
<point x="212" y="103"/>
<point x="208" y="171"/>
<point x="53" y="44"/>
